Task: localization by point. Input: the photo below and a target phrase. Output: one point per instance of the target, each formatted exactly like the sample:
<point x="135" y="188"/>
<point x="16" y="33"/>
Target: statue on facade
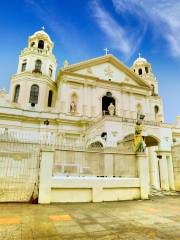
<point x="111" y="109"/>
<point x="73" y="107"/>
<point x="139" y="143"/>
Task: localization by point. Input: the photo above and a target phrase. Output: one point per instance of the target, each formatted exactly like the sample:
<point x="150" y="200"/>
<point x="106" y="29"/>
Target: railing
<point x="105" y="115"/>
<point x="91" y="163"/>
<point x="35" y="50"/>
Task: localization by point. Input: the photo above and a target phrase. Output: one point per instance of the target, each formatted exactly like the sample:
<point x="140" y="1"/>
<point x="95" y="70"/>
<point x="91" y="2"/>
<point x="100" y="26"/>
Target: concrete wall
<point x="94" y="189"/>
<point x="91" y="189"/>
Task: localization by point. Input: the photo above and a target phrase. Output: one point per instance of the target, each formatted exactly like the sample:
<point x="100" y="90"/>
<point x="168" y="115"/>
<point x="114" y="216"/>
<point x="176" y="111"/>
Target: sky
<point x="81" y="29"/>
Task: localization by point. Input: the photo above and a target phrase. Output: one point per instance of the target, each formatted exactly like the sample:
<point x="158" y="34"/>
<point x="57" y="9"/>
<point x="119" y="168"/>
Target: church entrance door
<point x="106" y="101"/>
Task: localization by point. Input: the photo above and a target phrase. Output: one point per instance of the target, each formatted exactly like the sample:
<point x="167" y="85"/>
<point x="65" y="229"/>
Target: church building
<point x="94" y="104"/>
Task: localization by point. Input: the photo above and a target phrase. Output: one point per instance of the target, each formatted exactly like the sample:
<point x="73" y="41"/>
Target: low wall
<point x="93" y="189"/>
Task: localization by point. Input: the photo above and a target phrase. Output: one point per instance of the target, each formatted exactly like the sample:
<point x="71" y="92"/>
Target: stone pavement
<point x="158" y="218"/>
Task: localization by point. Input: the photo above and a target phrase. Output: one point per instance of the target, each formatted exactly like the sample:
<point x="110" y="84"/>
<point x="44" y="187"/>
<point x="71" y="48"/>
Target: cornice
<point x="29" y="76"/>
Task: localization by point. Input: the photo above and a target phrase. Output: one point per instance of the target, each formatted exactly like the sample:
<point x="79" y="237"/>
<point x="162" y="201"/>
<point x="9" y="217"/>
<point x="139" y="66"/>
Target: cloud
<point x="162" y="15"/>
<point x="119" y="37"/>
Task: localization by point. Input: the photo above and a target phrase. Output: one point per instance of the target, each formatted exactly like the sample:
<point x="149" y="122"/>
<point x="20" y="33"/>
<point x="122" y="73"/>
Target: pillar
<point x="163" y="170"/>
<point x="170" y="173"/>
<point x="153" y="168"/>
<point x="46" y="166"/>
<point x="143" y="173"/>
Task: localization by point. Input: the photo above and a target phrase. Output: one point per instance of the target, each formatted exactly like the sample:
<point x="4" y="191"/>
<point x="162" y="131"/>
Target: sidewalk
<point x="158" y="218"/>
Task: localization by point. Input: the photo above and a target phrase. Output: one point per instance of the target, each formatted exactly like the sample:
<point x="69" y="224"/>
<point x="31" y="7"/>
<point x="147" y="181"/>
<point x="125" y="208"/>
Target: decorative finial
<point x="65" y="64"/>
<point x="106" y="51"/>
<point x="43" y="28"/>
<point x="139" y="55"/>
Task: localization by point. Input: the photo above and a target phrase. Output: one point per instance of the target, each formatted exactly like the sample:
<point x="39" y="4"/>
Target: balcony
<point x="128" y="117"/>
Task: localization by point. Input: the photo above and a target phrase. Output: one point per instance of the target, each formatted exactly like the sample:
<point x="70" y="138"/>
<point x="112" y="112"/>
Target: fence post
<point x="143" y="173"/>
<point x="46" y="166"/>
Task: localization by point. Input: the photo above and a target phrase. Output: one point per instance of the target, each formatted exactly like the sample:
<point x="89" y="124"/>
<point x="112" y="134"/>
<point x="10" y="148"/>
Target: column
<point x="46" y="166"/>
<point x="163" y="170"/>
<point x="143" y="173"/>
<point x="153" y="168"/>
<point x="170" y="173"/>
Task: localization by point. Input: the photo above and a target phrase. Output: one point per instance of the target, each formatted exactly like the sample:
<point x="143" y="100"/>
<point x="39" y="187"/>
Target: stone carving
<point x="89" y="70"/>
<point x="139" y="143"/>
<point x="108" y="72"/>
<point x="73" y="107"/>
<point x="111" y="109"/>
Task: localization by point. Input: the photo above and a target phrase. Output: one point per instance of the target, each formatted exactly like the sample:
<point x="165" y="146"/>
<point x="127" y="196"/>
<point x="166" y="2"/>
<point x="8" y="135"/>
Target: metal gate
<point x="19" y="170"/>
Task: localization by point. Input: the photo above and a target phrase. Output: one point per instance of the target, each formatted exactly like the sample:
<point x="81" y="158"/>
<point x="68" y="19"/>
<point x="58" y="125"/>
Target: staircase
<point x="161" y="193"/>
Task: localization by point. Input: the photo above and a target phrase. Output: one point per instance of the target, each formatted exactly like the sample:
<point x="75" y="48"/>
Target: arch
<point x="106" y="101"/>
<point x="50" y="98"/>
<point x="38" y="65"/>
<point x="96" y="145"/>
<point x="151" y="140"/>
<point x="73" y="102"/>
<point x="34" y="94"/>
<point x="41" y="44"/>
<point x="140" y="71"/>
<point x="16" y="93"/>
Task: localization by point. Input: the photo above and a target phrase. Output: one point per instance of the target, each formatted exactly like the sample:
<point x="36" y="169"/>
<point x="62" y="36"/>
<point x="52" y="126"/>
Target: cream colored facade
<point x="76" y="104"/>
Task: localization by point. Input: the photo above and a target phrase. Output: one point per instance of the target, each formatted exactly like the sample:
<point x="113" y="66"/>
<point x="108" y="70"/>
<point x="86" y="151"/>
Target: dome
<point x="140" y="60"/>
<point x="41" y="34"/>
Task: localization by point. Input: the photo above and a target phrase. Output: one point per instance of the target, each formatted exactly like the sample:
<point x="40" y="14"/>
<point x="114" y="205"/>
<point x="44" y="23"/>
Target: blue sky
<point x="81" y="29"/>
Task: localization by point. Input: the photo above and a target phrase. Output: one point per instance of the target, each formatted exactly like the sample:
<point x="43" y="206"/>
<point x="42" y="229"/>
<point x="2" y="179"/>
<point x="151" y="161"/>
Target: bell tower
<point x="34" y="83"/>
<point x="143" y="68"/>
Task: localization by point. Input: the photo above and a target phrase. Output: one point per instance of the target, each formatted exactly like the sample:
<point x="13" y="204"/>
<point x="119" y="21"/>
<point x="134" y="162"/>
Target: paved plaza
<point x="158" y="218"/>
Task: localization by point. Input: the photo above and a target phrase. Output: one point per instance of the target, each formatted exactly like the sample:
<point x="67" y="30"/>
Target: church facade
<point x="94" y="103"/>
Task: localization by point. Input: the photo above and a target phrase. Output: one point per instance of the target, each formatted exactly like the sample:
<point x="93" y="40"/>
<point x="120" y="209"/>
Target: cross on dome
<point x="139" y="55"/>
<point x="43" y="28"/>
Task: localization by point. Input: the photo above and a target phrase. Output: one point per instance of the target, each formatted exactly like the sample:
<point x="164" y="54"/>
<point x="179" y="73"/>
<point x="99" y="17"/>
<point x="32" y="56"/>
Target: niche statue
<point x="111" y="109"/>
<point x="139" y="143"/>
<point x="73" y="107"/>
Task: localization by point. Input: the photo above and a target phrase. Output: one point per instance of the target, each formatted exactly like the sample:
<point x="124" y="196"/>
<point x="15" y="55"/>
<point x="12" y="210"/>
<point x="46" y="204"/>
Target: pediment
<point x="107" y="68"/>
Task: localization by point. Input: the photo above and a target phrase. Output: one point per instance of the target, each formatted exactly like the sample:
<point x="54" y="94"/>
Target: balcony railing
<point x="123" y="118"/>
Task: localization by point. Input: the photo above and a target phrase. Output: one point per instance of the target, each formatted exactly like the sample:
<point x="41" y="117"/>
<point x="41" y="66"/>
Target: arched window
<point x="41" y="44"/>
<point x="140" y="71"/>
<point x="16" y="93"/>
<point x="23" y="67"/>
<point x="50" y="71"/>
<point x="32" y="44"/>
<point x="38" y="65"/>
<point x="50" y="97"/>
<point x="146" y="69"/>
<point x="156" y="110"/>
<point x="152" y="90"/>
<point x="34" y="93"/>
